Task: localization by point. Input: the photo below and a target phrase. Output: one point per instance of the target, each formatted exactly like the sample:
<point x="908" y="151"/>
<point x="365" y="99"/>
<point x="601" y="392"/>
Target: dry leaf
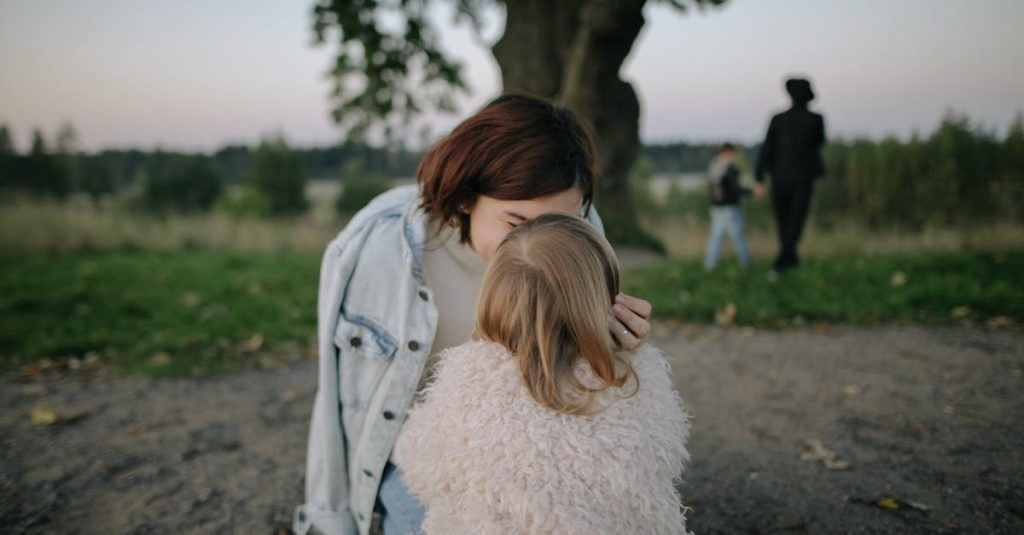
<point x="160" y="358"/>
<point x="895" y="503"/>
<point x="814" y="450"/>
<point x="888" y="503"/>
<point x="960" y="312"/>
<point x="998" y="322"/>
<point x="851" y="391"/>
<point x="837" y="464"/>
<point x="898" y="279"/>
<point x="726" y="316"/>
<point x="44" y="414"/>
<point x="914" y="505"/>
<point x="251" y="344"/>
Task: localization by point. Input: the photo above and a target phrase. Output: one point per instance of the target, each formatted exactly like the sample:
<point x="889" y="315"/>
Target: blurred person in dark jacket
<point x="791" y="156"/>
<point x="726" y="216"/>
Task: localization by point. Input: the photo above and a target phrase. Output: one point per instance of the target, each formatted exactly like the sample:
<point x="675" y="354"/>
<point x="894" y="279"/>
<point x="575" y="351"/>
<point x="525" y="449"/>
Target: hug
<point x="479" y="370"/>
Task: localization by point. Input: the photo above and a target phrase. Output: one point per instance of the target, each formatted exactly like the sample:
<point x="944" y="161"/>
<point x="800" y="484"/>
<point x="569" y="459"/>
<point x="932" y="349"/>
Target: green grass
<point x="201" y="308"/>
<point x="849" y="290"/>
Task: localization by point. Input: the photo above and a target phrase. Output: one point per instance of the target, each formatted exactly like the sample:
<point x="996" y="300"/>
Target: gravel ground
<point x="927" y="421"/>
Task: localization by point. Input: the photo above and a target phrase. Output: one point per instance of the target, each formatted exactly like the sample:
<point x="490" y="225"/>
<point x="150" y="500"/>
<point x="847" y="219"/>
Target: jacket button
<point x="388" y="415"/>
<point x="302" y="516"/>
<point x="356" y="341"/>
<point x="423" y="295"/>
<point x="413" y="345"/>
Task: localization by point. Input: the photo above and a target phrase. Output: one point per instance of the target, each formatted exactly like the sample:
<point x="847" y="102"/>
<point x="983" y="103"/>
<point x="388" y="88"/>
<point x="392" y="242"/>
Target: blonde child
<point x="541" y="424"/>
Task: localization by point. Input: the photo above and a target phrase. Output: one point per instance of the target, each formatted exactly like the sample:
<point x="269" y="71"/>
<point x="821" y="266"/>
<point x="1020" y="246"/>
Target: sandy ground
<point x="928" y="418"/>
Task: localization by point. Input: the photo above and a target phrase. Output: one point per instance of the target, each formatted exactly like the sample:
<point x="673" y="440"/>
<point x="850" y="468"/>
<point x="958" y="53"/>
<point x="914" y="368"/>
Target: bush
<point x="181" y="184"/>
<point x="277" y="175"/>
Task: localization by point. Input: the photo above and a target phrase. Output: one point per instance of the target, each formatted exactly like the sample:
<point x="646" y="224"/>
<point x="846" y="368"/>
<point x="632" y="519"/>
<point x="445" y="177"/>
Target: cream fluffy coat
<point x="484" y="457"/>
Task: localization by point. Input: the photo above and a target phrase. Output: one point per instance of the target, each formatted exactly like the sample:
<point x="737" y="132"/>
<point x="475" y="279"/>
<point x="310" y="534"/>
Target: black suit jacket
<point x="791" y="152"/>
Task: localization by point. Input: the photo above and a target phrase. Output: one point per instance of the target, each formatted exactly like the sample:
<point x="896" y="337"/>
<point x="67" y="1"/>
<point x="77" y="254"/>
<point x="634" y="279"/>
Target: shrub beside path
<point x="887" y="429"/>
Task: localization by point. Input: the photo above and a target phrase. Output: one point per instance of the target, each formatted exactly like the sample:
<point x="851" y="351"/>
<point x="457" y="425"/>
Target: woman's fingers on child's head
<point x="622" y="334"/>
<point x="639" y="306"/>
<point x="637" y="325"/>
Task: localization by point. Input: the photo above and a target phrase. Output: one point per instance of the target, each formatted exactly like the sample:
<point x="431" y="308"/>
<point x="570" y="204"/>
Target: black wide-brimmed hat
<point x="799" y="89"/>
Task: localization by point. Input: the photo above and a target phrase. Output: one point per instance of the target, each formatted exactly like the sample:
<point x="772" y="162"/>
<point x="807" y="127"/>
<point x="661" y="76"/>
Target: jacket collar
<point x="414" y="235"/>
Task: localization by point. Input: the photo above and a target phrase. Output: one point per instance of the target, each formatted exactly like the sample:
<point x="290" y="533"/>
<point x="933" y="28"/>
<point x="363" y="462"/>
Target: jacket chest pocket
<point x="364" y="354"/>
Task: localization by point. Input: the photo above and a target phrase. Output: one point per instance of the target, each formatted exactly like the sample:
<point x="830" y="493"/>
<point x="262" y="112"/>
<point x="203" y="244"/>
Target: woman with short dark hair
<point x="399" y="285"/>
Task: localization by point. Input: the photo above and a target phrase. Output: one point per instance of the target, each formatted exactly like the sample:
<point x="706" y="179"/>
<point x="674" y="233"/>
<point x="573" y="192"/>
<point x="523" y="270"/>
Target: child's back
<point x="496" y="447"/>
<point x="484" y="457"/>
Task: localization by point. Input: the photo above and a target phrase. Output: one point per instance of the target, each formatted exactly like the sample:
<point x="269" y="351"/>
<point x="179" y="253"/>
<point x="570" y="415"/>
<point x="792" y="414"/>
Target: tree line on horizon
<point x="960" y="173"/>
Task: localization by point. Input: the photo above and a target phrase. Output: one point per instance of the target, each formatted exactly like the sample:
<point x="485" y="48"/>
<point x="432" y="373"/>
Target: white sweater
<point x="484" y="457"/>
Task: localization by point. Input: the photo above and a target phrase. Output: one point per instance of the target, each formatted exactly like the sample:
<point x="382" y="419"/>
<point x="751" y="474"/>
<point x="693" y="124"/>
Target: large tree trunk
<point x="571" y="51"/>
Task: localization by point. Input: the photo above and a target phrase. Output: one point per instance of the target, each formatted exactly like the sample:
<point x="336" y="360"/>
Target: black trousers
<point x="791" y="204"/>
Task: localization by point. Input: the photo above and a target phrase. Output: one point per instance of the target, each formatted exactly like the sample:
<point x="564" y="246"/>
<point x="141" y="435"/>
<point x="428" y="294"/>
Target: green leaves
<point x="389" y="64"/>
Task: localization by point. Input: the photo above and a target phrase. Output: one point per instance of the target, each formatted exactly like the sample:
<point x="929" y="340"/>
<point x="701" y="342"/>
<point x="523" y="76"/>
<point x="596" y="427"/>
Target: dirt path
<point x="927" y="417"/>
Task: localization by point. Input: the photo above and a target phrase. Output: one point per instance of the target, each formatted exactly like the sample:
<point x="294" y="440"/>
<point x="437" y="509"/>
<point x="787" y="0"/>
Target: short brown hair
<point x="546" y="297"/>
<point x="517" y="147"/>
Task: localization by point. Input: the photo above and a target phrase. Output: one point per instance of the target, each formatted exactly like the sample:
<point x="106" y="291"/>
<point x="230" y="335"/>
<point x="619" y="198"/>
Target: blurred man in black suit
<point x="791" y="155"/>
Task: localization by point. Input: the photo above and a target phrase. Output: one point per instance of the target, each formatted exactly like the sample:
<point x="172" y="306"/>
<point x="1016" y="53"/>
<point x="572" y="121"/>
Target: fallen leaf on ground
<point x="898" y="279"/>
<point x="251" y="344"/>
<point x="44" y="414"/>
<point x="914" y="505"/>
<point x="960" y="312"/>
<point x="814" y="450"/>
<point x="160" y="358"/>
<point x="888" y="503"/>
<point x="894" y="503"/>
<point x="725" y="316"/>
<point x="998" y="322"/>
<point x="851" y="391"/>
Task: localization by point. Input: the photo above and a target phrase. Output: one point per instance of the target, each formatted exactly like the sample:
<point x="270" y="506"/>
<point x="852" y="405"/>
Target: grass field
<point x="196" y="312"/>
<point x="156" y="313"/>
<point x="932" y="288"/>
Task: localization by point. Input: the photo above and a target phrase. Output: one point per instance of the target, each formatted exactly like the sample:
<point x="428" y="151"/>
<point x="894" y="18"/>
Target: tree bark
<point x="572" y="51"/>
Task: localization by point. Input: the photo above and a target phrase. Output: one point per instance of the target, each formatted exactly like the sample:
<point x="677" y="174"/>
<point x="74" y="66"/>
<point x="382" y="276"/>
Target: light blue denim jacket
<point x="376" y="324"/>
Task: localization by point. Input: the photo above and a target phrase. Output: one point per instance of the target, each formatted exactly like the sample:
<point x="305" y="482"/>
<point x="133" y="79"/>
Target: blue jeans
<point x="726" y="220"/>
<point x="403" y="512"/>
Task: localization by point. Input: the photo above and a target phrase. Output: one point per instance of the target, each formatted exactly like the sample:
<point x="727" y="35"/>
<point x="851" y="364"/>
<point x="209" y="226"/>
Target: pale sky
<point x="195" y="74"/>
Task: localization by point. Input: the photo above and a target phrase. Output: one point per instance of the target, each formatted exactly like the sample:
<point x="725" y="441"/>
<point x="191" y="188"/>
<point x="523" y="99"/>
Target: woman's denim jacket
<point x="376" y="324"/>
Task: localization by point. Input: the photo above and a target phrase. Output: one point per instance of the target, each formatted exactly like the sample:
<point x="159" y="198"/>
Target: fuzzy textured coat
<point x="485" y="458"/>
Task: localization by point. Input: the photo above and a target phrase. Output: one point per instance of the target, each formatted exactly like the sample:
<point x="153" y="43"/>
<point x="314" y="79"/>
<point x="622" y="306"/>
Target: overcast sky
<point x="197" y="74"/>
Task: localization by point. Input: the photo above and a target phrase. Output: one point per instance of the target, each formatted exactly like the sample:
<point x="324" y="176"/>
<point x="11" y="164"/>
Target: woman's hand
<point x="629" y="321"/>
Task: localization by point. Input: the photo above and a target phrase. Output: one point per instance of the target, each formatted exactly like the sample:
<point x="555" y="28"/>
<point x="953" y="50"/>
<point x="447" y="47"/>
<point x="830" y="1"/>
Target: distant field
<point x="676" y="213"/>
<point x="976" y="288"/>
<point x="203" y="312"/>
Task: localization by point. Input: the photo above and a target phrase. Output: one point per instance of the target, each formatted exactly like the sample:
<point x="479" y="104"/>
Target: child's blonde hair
<point x="546" y="297"/>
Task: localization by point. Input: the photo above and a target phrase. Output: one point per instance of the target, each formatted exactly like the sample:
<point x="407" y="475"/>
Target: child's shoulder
<point x="476" y="360"/>
<point x="650" y="362"/>
<point x="476" y="350"/>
